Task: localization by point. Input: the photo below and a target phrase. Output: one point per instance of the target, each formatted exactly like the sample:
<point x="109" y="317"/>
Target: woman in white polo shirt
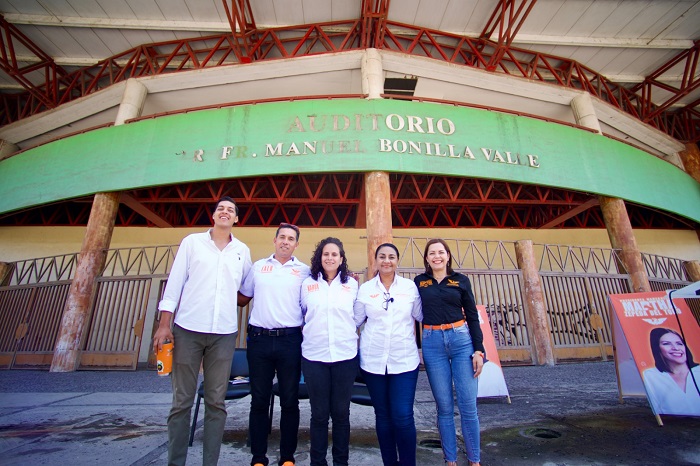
<point x="389" y="359"/>
<point x="329" y="350"/>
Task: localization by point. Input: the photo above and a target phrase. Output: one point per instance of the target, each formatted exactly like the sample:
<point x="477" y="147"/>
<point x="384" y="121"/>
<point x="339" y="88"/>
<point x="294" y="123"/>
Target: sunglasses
<point x="387" y="299"/>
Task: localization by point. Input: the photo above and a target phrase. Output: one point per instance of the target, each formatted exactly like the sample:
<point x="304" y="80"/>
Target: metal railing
<point x="575" y="282"/>
<point x="467" y="254"/>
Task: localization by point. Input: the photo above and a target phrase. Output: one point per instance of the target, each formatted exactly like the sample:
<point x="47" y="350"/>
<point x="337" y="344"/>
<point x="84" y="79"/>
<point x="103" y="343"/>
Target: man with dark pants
<point x="203" y="284"/>
<point x="274" y="343"/>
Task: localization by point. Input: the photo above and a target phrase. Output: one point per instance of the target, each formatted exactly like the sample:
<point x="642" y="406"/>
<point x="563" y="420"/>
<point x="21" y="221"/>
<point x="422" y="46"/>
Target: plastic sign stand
<point x="492" y="383"/>
<point x="641" y="321"/>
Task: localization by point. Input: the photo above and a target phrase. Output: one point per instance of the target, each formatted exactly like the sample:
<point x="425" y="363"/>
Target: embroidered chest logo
<point x="311" y="288"/>
<point x="346" y="288"/>
<point x="374" y="296"/>
<point x="425" y="283"/>
<point x="452" y="282"/>
<point x="296" y="272"/>
<point x="266" y="269"/>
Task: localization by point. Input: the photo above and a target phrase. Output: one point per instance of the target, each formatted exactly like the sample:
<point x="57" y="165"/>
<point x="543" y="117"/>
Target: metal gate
<point x="501" y="293"/>
<point x="31" y="317"/>
<point x="577" y="309"/>
<point x="575" y="284"/>
<point x="116" y="326"/>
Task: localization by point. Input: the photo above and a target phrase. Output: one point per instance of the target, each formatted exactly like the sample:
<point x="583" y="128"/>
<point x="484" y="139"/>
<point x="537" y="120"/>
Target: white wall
<point x="17" y="243"/>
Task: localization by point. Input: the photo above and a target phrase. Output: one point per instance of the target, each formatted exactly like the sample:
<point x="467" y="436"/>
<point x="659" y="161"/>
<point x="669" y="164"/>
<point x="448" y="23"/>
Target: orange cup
<point x="165" y="358"/>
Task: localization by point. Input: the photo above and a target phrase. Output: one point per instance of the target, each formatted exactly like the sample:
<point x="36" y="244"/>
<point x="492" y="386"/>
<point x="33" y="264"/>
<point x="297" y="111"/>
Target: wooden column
<point x="692" y="268"/>
<point x="378" y="214"/>
<point x="691" y="160"/>
<point x="617" y="221"/>
<point x="622" y="237"/>
<point x="92" y="253"/>
<point x="90" y="263"/>
<point x="5" y="269"/>
<point x="540" y="333"/>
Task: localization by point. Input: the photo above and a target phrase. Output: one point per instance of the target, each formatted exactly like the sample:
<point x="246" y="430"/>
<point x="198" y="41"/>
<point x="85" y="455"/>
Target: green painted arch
<point x="354" y="135"/>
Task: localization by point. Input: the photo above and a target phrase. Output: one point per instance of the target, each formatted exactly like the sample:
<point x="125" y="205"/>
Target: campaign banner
<point x="663" y="340"/>
<point x="491" y="381"/>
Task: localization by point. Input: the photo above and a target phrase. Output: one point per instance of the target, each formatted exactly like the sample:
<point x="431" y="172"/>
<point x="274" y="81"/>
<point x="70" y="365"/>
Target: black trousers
<point x="267" y="356"/>
<point x="330" y="390"/>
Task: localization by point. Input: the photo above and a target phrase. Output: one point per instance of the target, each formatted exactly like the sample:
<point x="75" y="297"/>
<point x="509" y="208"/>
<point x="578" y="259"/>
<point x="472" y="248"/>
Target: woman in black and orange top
<point x="453" y="349"/>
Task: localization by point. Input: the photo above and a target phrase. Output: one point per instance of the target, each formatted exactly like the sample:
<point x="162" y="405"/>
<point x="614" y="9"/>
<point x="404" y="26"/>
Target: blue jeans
<point x="330" y="390"/>
<point x="267" y="355"/>
<point x="447" y="357"/>
<point x="392" y="396"/>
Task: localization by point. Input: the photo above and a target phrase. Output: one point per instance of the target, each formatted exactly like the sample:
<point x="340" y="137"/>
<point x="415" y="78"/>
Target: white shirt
<point x="388" y="340"/>
<point x="276" y="288"/>
<point x="203" y="284"/>
<point x="330" y="334"/>
<point x="666" y="397"/>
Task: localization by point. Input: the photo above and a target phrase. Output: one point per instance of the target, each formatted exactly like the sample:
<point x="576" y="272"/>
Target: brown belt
<point x="459" y="323"/>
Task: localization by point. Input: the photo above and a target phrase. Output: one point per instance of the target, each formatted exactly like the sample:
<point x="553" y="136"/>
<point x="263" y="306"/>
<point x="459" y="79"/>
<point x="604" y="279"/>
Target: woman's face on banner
<point x="672" y="348"/>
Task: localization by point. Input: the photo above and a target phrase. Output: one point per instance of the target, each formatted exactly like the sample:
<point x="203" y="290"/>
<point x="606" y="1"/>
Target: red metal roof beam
<point x="508" y="16"/>
<point x="689" y="83"/>
<point x="47" y="93"/>
<point x="374" y="17"/>
<point x="240" y="18"/>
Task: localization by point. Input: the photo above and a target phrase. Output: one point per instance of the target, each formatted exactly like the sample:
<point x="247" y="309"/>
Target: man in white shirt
<point x="203" y="284"/>
<point x="274" y="343"/>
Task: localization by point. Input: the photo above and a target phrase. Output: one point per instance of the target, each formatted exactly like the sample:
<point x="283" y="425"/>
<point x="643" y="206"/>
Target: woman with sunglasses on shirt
<point x="329" y="350"/>
<point x="453" y="349"/>
<point x="389" y="306"/>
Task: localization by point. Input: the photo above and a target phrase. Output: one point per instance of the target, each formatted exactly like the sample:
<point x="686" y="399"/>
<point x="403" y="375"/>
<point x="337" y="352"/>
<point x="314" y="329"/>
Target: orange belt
<point x="459" y="323"/>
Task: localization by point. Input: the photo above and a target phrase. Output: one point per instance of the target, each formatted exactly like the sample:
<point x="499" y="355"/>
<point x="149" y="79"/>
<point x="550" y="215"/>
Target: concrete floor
<point x="569" y="414"/>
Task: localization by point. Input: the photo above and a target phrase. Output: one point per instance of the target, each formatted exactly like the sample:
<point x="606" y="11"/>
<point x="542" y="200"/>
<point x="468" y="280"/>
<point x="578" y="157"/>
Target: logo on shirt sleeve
<point x="312" y="287"/>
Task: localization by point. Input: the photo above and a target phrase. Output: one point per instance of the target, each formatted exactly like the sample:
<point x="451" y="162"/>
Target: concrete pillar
<point x="7" y="149"/>
<point x="378" y="214"/>
<point x="372" y="74"/>
<point x="622" y="237"/>
<point x="691" y="160"/>
<point x="540" y="333"/>
<point x="98" y="236"/>
<point x="617" y="221"/>
<point x="584" y="112"/>
<point x="132" y="102"/>
<point x="692" y="268"/>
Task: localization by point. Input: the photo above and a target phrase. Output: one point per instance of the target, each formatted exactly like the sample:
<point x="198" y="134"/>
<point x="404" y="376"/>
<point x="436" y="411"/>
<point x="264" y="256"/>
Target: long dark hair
<point x="317" y="266"/>
<point x="428" y="269"/>
<point x="659" y="360"/>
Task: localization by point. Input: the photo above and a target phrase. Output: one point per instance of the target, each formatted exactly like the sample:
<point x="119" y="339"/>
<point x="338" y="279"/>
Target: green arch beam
<point x="351" y="135"/>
